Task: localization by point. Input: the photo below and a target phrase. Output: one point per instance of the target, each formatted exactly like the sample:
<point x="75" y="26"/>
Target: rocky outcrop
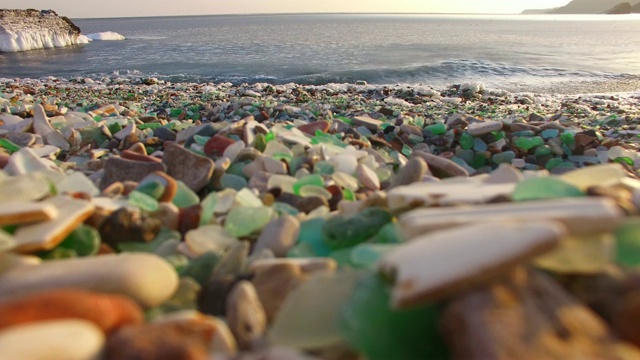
<point x="22" y="30"/>
<point x="620" y="9"/>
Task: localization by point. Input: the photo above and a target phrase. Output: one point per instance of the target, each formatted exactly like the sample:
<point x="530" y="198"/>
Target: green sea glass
<point x="313" y="179"/>
<point x="380" y="333"/>
<point x="59" y="253"/>
<point x="567" y="139"/>
<point x="143" y="201"/>
<point x="388" y="234"/>
<point x="84" y="240"/>
<point x="544" y="188"/>
<point x="437" y="129"/>
<point x="185" y="197"/>
<point x="541" y="151"/>
<point x="525" y="143"/>
<point x="244" y="221"/>
<point x="628" y="243"/>
<point x="346" y="231"/>
<point x="153" y="188"/>
<point x="466" y="141"/>
<point x="161" y="238"/>
<point x="7" y="144"/>
<point x="208" y="208"/>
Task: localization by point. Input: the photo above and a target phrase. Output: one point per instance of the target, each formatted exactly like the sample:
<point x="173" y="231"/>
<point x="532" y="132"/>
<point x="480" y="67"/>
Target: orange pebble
<point x="109" y="312"/>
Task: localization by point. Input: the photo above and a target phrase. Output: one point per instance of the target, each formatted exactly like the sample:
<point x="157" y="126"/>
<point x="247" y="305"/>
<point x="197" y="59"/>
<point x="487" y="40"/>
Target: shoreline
<point x="631" y="85"/>
<point x="259" y="220"/>
<point x="619" y="85"/>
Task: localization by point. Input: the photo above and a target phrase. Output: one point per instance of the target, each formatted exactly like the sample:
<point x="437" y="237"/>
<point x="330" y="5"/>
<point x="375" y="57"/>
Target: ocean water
<point x="553" y="54"/>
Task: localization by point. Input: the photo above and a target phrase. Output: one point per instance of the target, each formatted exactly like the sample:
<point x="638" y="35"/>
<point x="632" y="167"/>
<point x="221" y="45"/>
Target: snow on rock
<point x="23" y="30"/>
<point x="107" y="35"/>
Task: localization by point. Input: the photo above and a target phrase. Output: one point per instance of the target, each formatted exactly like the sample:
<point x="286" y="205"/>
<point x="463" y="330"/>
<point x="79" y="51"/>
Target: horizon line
<point x="297" y="14"/>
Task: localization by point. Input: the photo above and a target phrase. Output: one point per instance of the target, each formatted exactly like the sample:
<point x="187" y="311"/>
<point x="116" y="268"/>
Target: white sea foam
<point x="37" y="39"/>
<point x="107" y="35"/>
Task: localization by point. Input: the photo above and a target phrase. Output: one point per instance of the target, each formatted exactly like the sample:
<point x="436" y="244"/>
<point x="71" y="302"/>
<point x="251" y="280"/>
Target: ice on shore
<point x="45" y="39"/>
<point x="107" y="35"/>
<point x="38" y="39"/>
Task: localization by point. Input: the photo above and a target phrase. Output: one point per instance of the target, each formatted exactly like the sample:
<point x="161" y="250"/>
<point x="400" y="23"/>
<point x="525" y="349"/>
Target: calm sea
<point x="561" y="54"/>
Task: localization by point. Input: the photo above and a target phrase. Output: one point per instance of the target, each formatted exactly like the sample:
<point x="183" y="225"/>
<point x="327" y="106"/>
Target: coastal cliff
<point x="590" y="7"/>
<point x="620" y="9"/>
<point x="23" y="30"/>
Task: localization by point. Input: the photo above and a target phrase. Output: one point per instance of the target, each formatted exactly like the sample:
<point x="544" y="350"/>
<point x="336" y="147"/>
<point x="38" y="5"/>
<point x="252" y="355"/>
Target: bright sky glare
<point x="126" y="8"/>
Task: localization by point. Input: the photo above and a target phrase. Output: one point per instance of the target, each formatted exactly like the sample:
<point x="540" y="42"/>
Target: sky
<point x="126" y="8"/>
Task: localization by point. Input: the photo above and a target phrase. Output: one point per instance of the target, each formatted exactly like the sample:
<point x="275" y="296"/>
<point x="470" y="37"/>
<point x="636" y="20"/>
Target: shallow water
<point x="561" y="54"/>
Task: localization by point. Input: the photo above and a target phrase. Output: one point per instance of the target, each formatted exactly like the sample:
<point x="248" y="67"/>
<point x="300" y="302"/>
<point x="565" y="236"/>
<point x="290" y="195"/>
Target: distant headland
<point x="591" y="7"/>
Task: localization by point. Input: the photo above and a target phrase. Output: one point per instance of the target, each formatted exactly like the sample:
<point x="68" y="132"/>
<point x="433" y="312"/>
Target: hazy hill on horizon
<point x="584" y="7"/>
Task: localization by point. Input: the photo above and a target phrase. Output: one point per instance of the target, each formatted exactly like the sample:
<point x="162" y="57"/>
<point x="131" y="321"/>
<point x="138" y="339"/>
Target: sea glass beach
<point x="321" y="186"/>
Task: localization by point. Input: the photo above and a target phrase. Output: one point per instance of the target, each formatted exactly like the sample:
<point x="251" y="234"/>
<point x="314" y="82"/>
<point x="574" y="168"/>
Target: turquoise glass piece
<point x="406" y="150"/>
<point x="201" y="268"/>
<point x="549" y="133"/>
<point x="479" y="145"/>
<point x="283" y="208"/>
<point x="323" y="168"/>
<point x="504" y="157"/>
<point x="232" y="181"/>
<point x="367" y="255"/>
<point x="302" y="250"/>
<point x="311" y="234"/>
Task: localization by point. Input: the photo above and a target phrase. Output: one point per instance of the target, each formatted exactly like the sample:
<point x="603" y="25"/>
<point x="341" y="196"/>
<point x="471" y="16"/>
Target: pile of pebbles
<point x="141" y="219"/>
